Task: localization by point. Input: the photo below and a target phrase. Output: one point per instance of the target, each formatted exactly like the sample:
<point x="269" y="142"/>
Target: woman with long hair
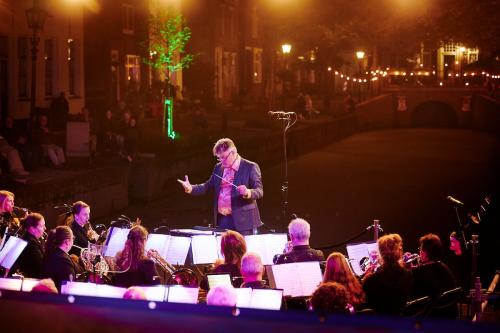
<point x="233" y="247"/>
<point x="138" y="269"/>
<point x="29" y="262"/>
<point x="57" y="263"/>
<point x="338" y="270"/>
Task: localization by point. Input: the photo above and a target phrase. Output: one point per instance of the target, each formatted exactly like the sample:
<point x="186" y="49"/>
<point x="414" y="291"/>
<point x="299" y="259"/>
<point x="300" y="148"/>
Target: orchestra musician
<point x="138" y="269"/>
<point x="300" y="232"/>
<point x="29" y="262"/>
<point x="57" y="263"/>
<point x="9" y="222"/>
<point x="81" y="228"/>
<point x="236" y="186"/>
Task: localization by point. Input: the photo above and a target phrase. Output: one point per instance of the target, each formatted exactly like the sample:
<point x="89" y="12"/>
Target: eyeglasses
<point x="222" y="159"/>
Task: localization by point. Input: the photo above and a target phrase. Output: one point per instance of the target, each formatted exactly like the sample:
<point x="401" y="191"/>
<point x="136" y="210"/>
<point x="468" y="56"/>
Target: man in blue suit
<point x="236" y="185"/>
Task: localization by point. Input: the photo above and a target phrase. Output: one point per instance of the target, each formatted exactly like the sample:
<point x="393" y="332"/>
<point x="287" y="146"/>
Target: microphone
<point x="160" y="228"/>
<point x="455" y="201"/>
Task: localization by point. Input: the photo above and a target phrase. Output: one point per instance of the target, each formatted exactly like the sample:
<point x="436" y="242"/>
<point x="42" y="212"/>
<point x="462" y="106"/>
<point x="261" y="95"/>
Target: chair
<point x="445" y="304"/>
<point x="417" y="307"/>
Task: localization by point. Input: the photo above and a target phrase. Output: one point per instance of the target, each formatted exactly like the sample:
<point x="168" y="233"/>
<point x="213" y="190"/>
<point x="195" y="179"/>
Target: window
<point x="132" y="69"/>
<point x="257" y="65"/>
<point x="49" y="66"/>
<point x="22" y="55"/>
<point x="72" y="67"/>
<point x="128" y="19"/>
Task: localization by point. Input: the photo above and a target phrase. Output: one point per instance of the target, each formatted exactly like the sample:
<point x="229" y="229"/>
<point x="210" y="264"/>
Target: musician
<point x="432" y="277"/>
<point x="252" y="271"/>
<point x="330" y="297"/>
<point x="236" y="185"/>
<point x="57" y="263"/>
<point x="459" y="261"/>
<point x="8" y="220"/>
<point x="222" y="295"/>
<point x="138" y="269"/>
<point x="233" y="247"/>
<point x="29" y="262"/>
<point x="387" y="290"/>
<point x="338" y="270"/>
<point x="300" y="232"/>
<point x="81" y="228"/>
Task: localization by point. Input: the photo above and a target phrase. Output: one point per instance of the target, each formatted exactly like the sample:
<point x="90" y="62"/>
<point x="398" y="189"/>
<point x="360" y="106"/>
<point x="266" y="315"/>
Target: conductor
<point x="236" y="185"/>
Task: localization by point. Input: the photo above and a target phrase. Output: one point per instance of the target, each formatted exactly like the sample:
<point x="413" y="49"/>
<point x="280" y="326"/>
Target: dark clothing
<point x="30" y="261"/>
<point x="245" y="212"/>
<point x="460" y="266"/>
<point x="59" y="113"/>
<point x="59" y="267"/>
<point x="81" y="238"/>
<point x="388" y="289"/>
<point x="143" y="276"/>
<point x="300" y="253"/>
<point x="255" y="285"/>
<point x="432" y="279"/>
<point x="233" y="271"/>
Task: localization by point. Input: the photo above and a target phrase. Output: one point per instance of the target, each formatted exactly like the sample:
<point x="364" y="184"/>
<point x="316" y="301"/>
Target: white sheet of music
<point x="155" y="293"/>
<point x="11" y="251"/>
<point x="266" y="299"/>
<point x="356" y="252"/>
<point x="178" y="250"/>
<point x="243" y="297"/>
<point x="91" y="289"/>
<point x="158" y="242"/>
<point x="180" y="294"/>
<point x="297" y="279"/>
<point x="204" y="249"/>
<point x="10" y="284"/>
<point x="116" y="243"/>
<point x="267" y="246"/>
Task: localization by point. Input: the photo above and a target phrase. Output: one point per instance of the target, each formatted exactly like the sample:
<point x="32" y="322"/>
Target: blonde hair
<point x="390" y="248"/>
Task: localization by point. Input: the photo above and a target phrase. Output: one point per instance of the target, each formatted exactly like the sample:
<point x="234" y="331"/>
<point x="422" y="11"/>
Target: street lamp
<point x="35" y="17"/>
<point x="286" y="49"/>
<point x="360" y="55"/>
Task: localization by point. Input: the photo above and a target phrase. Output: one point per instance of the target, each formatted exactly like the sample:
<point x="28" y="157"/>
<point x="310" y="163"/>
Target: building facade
<point x="59" y="63"/>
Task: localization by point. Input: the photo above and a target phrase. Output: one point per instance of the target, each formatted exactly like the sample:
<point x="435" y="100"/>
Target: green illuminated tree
<point x="168" y="36"/>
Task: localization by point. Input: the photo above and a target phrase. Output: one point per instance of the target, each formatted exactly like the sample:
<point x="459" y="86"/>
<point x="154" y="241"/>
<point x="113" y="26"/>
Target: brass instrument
<point x="155" y="256"/>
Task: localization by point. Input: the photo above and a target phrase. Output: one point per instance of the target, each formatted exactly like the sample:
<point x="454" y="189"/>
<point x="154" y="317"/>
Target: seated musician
<point x="252" y="271"/>
<point x="8" y="220"/>
<point x="300" y="232"/>
<point x="138" y="269"/>
<point x="330" y="297"/>
<point x="57" y="263"/>
<point x="79" y="224"/>
<point x="338" y="270"/>
<point x="388" y="289"/>
<point x="222" y="295"/>
<point x="433" y="277"/>
<point x="29" y="262"/>
<point x="233" y="247"/>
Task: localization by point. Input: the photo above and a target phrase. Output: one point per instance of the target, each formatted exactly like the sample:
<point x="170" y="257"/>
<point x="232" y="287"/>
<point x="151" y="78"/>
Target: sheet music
<point x="180" y="294"/>
<point x="91" y="289"/>
<point x="266" y="299"/>
<point x="28" y="284"/>
<point x="193" y="231"/>
<point x="215" y="280"/>
<point x="158" y="242"/>
<point x="116" y="241"/>
<point x="356" y="252"/>
<point x="11" y="251"/>
<point x="267" y="246"/>
<point x="204" y="249"/>
<point x="178" y="250"/>
<point x="243" y="297"/>
<point x="297" y="279"/>
<point x="10" y="284"/>
<point x="155" y="293"/>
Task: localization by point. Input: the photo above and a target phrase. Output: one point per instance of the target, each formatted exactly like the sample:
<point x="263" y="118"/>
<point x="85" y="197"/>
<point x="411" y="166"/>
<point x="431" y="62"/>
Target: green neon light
<point x="168" y="118"/>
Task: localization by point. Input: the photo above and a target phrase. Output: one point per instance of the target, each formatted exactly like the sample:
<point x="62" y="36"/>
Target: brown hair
<point x="432" y="246"/>
<point x="222" y="145"/>
<point x="330" y="297"/>
<point x="338" y="270"/>
<point x="56" y="237"/>
<point x="134" y="249"/>
<point x="31" y="220"/>
<point x="390" y="248"/>
<point x="77" y="207"/>
<point x="233" y="247"/>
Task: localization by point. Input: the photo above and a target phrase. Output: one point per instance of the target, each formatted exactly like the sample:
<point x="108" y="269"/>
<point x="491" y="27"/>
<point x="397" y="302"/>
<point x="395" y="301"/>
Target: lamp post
<point x="360" y="55"/>
<point x="285" y="49"/>
<point x="35" y="16"/>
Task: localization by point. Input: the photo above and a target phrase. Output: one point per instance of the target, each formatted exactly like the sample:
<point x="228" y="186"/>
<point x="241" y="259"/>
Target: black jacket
<point x="59" y="267"/>
<point x="300" y="253"/>
<point x="143" y="276"/>
<point x="30" y="261"/>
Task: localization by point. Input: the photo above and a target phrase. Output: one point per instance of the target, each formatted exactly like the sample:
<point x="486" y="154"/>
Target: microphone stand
<point x="460" y="225"/>
<point x="288" y="120"/>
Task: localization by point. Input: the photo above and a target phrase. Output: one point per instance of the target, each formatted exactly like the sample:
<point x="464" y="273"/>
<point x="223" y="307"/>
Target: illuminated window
<point x="72" y="67"/>
<point x="128" y="19"/>
<point x="132" y="69"/>
<point x="48" y="58"/>
<point x="22" y="71"/>
<point x="257" y="66"/>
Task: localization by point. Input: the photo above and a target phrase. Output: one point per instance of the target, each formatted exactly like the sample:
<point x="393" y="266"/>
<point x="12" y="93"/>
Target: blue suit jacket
<point x="245" y="211"/>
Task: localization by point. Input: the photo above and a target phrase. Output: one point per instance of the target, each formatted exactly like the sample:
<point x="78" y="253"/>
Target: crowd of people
<point x="385" y="288"/>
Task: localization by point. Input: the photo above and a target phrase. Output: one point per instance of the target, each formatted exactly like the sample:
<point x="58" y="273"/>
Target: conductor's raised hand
<point x="186" y="184"/>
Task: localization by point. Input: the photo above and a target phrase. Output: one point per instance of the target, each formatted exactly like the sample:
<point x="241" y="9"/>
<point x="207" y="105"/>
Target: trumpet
<point x="155" y="256"/>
